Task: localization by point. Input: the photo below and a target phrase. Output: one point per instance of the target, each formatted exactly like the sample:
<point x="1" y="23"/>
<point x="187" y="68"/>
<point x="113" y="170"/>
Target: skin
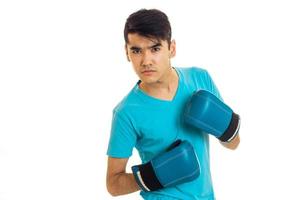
<point x="151" y="61"/>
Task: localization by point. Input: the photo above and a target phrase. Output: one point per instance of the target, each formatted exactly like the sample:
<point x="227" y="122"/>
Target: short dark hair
<point x="150" y="23"/>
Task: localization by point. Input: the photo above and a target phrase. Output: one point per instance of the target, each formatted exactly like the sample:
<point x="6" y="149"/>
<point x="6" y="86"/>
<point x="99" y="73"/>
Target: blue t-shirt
<point x="150" y="125"/>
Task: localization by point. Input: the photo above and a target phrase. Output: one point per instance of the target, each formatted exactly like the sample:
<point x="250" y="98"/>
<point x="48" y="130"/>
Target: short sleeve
<point x="122" y="137"/>
<point x="212" y="86"/>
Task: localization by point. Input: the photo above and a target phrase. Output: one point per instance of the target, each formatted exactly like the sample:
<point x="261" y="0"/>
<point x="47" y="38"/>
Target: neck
<point x="164" y="88"/>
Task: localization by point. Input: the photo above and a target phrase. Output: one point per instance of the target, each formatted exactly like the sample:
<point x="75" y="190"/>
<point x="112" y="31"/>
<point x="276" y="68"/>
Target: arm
<point x="233" y="144"/>
<point x="118" y="182"/>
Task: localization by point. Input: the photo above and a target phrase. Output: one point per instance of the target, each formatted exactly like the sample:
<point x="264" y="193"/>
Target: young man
<point x="150" y="117"/>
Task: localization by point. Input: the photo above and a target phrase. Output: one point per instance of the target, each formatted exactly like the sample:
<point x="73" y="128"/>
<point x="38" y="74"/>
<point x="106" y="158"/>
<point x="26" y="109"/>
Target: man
<point x="149" y="118"/>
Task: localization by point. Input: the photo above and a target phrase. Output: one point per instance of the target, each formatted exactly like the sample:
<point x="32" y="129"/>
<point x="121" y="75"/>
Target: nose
<point x="146" y="59"/>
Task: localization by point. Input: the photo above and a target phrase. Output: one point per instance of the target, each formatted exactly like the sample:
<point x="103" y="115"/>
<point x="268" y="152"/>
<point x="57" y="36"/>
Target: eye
<point x="155" y="49"/>
<point x="136" y="51"/>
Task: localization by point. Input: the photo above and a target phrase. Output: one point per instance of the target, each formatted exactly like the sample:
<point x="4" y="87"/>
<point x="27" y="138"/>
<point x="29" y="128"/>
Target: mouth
<point x="148" y="72"/>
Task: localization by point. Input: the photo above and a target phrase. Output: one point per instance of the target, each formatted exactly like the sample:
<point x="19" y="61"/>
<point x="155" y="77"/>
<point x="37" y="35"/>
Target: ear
<point x="126" y="50"/>
<point x="172" y="49"/>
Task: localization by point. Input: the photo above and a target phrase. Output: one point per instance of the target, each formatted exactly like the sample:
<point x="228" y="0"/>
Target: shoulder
<point x="196" y="78"/>
<point x="194" y="75"/>
<point x="191" y="69"/>
<point x="128" y="102"/>
<point x="193" y="72"/>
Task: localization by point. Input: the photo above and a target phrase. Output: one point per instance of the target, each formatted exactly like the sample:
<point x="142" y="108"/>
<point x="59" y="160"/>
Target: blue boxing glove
<point x="178" y="164"/>
<point x="208" y="113"/>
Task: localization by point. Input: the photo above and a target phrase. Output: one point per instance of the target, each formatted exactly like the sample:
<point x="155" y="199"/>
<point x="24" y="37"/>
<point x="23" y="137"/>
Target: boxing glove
<point x="178" y="164"/>
<point x="208" y="113"/>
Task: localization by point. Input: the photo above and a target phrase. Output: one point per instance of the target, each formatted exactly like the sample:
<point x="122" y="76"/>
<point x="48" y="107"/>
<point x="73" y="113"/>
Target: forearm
<point x="232" y="144"/>
<point x="122" y="183"/>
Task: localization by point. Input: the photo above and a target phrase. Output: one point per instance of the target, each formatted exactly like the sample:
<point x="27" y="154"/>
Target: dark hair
<point x="150" y="23"/>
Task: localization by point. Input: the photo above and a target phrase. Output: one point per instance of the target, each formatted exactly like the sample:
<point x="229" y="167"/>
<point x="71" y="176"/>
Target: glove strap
<point x="146" y="178"/>
<point x="232" y="129"/>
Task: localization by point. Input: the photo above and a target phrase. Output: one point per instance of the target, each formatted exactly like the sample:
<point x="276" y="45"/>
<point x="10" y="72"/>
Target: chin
<point x="148" y="80"/>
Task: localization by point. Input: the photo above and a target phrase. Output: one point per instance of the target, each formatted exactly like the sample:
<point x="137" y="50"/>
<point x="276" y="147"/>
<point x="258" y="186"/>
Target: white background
<point x="63" y="69"/>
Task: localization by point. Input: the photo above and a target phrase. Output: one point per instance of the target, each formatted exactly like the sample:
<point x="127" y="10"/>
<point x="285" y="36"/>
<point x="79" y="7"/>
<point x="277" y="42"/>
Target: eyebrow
<point x="153" y="46"/>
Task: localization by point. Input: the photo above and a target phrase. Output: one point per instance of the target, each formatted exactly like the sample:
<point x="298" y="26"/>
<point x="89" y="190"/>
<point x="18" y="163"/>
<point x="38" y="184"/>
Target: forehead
<point x="137" y="40"/>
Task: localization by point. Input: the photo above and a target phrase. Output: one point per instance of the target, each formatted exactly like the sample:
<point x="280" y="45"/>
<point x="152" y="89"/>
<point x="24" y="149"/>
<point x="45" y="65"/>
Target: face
<point x="150" y="58"/>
